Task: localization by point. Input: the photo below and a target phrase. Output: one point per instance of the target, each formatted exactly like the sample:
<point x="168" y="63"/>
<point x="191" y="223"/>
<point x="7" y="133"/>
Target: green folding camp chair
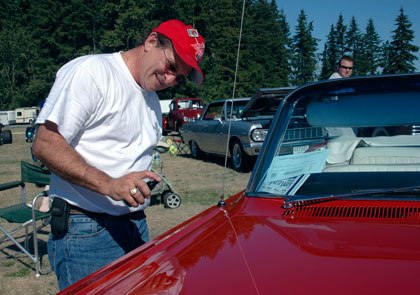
<point x="27" y="217"/>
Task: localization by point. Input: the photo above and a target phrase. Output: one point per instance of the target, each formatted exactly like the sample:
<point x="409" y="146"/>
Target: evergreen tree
<point x="129" y="21"/>
<point x="330" y="55"/>
<point x="19" y="59"/>
<point x="401" y="52"/>
<point x="370" y="58"/>
<point x="340" y="32"/>
<point x="264" y="45"/>
<point x="221" y="30"/>
<point x="304" y="48"/>
<point x="353" y="44"/>
<point x="285" y="56"/>
<point x="386" y="48"/>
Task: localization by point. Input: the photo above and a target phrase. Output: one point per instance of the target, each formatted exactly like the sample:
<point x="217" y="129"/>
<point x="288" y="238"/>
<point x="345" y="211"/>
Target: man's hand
<point x="131" y="188"/>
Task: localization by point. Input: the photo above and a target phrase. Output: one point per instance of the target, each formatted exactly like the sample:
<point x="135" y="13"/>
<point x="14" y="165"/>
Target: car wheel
<point x="7" y="136"/>
<point x="177" y="126"/>
<point x="240" y="160"/>
<point x="171" y="200"/>
<point x="379" y="132"/>
<point x="195" y="150"/>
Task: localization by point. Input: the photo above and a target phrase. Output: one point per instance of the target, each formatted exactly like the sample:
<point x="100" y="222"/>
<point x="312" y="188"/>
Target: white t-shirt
<point x="108" y="119"/>
<point x="334" y="132"/>
<point x="335" y="76"/>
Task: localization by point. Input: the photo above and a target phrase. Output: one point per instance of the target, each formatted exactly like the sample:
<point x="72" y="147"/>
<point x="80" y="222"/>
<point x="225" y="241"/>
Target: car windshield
<point x="341" y="137"/>
<point x="238" y="108"/>
<point x="188" y="104"/>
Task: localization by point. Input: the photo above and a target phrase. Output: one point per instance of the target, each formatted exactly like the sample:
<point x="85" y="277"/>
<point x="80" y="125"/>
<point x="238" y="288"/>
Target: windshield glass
<point x="341" y="137"/>
<point x="238" y="108"/>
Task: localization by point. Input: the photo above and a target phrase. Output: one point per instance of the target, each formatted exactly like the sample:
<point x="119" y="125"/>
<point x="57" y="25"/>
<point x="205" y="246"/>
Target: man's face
<point x="345" y="68"/>
<point x="161" y="67"/>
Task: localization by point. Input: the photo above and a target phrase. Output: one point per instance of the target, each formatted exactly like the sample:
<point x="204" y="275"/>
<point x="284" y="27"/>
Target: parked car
<point x="324" y="212"/>
<point x="234" y="126"/>
<point x="181" y="111"/>
<point x="5" y="135"/>
<point x="389" y="130"/>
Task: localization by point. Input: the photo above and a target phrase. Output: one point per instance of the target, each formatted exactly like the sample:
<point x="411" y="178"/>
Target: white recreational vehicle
<point x="26" y="115"/>
<point x="7" y="117"/>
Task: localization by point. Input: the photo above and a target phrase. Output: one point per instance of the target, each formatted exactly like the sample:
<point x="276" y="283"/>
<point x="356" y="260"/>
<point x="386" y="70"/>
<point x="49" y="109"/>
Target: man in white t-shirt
<point x="96" y="133"/>
<point x="344" y="70"/>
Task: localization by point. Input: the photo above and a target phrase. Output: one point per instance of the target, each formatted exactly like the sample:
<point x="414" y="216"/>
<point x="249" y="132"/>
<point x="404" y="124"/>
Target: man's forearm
<point x="55" y="153"/>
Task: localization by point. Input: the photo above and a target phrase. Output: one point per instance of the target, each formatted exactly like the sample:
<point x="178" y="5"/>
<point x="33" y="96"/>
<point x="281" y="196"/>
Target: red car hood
<point x="254" y="246"/>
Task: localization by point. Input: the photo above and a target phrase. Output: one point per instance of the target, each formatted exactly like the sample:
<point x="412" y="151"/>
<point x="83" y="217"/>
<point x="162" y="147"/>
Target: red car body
<point x="254" y="246"/>
<point x="348" y="226"/>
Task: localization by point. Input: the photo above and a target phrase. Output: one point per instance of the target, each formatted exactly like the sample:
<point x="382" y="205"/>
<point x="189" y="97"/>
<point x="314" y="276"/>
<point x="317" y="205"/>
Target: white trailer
<point x="7" y="117"/>
<point x="164" y="105"/>
<point x="26" y="115"/>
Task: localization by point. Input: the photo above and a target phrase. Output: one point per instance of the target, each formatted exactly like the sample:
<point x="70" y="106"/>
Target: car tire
<point x="6" y="136"/>
<point x="240" y="160"/>
<point x="380" y="131"/>
<point x="177" y="126"/>
<point x="195" y="150"/>
<point x="171" y="200"/>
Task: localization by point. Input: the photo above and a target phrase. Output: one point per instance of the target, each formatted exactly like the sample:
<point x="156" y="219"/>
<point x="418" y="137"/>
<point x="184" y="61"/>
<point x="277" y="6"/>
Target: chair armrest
<point x="11" y="184"/>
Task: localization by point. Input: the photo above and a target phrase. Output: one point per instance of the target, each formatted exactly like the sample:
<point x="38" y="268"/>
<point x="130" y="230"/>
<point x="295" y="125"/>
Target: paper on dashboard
<point x="288" y="170"/>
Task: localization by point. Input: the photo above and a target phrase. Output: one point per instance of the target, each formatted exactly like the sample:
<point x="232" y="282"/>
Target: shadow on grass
<point x="218" y="160"/>
<point x="19" y="264"/>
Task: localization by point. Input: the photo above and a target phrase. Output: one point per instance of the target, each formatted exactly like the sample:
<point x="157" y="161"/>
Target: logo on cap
<point x="193" y="33"/>
<point x="199" y="50"/>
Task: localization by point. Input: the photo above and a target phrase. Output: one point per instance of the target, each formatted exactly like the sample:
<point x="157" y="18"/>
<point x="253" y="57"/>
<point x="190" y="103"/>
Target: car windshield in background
<point x="238" y="108"/>
<point x="265" y="102"/>
<point x="342" y="137"/>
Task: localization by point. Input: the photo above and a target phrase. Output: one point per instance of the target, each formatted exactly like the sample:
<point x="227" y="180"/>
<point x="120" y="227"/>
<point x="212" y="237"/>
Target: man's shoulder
<point x="105" y="59"/>
<point x="92" y="59"/>
<point x="335" y="76"/>
<point x="95" y="65"/>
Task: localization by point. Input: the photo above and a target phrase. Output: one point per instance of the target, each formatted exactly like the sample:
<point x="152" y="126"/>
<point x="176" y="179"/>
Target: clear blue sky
<point x="324" y="13"/>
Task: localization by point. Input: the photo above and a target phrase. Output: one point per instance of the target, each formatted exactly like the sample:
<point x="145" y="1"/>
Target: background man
<point x="344" y="68"/>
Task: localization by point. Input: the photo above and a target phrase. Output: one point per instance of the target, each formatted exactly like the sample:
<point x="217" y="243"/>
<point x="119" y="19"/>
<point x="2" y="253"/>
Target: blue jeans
<point x="91" y="243"/>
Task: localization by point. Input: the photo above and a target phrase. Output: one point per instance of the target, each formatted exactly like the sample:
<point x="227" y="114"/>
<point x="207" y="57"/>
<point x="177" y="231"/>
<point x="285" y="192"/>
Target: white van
<point x="26" y="115"/>
<point x="7" y="117"/>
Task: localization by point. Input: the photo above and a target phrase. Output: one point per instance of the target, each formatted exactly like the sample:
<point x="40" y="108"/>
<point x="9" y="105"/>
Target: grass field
<point x="199" y="183"/>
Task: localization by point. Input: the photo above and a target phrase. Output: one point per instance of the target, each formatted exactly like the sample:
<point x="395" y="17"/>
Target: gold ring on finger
<point x="134" y="191"/>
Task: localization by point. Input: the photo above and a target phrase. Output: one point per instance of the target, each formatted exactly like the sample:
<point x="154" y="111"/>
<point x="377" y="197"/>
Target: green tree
<point x="128" y="22"/>
<point x="353" y="44"/>
<point x="221" y="30"/>
<point x="264" y="48"/>
<point x="340" y="35"/>
<point x="285" y="56"/>
<point x="330" y="55"/>
<point x="15" y="59"/>
<point x="304" y="48"/>
<point x="401" y="55"/>
<point x="386" y="47"/>
<point x="369" y="60"/>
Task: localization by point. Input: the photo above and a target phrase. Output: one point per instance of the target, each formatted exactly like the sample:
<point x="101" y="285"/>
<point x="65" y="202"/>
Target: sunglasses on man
<point x="346" y="68"/>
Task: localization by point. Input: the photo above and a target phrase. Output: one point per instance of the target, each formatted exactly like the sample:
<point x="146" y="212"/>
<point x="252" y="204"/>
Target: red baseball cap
<point x="188" y="44"/>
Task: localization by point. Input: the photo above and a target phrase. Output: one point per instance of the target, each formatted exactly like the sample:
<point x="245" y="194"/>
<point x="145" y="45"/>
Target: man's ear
<point x="151" y="41"/>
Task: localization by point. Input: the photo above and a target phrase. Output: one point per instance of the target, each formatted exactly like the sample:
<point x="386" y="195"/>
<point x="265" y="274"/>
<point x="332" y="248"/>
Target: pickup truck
<point x="181" y="111"/>
<point x="234" y="126"/>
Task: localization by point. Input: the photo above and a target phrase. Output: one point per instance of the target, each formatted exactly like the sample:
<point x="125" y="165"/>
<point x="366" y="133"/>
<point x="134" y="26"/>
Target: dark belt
<point x="74" y="210"/>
